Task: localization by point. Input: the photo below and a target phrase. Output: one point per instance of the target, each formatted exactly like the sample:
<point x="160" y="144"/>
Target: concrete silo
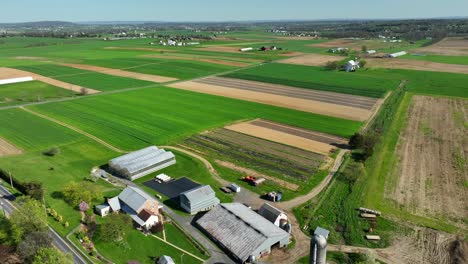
<point x="318" y="246"/>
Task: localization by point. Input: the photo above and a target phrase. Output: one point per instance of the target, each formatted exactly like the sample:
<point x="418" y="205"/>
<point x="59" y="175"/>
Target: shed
<point x="201" y="198"/>
<point x="165" y="260"/>
<point x="102" y="209"/>
<point x="351" y="66"/>
<point x="241" y="232"/>
<point x="273" y="214"/>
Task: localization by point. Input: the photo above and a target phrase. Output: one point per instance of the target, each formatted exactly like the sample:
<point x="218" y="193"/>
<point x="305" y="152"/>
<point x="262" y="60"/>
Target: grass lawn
<point x="366" y="83"/>
<point x="462" y="60"/>
<point x="34" y="91"/>
<point x="88" y="79"/>
<point x="161" y="115"/>
<point x="145" y="249"/>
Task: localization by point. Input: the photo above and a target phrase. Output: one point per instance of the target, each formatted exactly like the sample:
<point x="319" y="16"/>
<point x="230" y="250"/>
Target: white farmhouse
<point x="351" y="66"/>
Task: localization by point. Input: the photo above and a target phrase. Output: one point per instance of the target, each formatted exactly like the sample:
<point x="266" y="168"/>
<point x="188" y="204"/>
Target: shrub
<point x="52" y="151"/>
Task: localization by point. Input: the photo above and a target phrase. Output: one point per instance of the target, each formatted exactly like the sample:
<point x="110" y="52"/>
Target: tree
<point x="31" y="243"/>
<point x="83" y="91"/>
<point x="34" y="189"/>
<point x="74" y="193"/>
<point x="49" y="255"/>
<point x="114" y="229"/>
<point x="29" y="218"/>
<point x="52" y="151"/>
<point x="332" y="65"/>
<point x="83" y="206"/>
<point x="362" y="63"/>
<point x="364" y="48"/>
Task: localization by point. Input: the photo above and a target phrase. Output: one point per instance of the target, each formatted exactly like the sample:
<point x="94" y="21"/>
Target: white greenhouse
<point x="142" y="162"/>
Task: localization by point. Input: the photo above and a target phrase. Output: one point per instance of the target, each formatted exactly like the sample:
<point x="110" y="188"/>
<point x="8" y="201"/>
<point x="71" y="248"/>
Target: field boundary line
<point x="86" y="134"/>
<point x="176" y="247"/>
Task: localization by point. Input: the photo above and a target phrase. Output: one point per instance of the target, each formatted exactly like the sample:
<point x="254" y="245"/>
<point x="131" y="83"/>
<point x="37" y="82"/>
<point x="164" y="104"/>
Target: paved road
<point x="6" y="197"/>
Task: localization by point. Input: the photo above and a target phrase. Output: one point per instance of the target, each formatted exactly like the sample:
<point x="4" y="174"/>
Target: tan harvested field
<point x="8" y="149"/>
<point x="334" y="43"/>
<point x="7" y="73"/>
<point x="432" y="175"/>
<point x="121" y="73"/>
<point x="291" y="136"/>
<point x="308" y="100"/>
<point x="186" y="58"/>
<point x="230" y="49"/>
<point x="282" y="183"/>
<point x="420" y="65"/>
<point x="448" y="46"/>
<point x="311" y="59"/>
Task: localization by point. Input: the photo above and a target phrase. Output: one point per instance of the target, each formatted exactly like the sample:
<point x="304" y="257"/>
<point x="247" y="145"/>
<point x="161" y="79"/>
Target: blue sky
<point x="224" y="10"/>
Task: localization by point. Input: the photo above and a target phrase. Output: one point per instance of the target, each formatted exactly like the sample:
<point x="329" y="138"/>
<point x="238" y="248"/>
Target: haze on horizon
<point x="215" y="10"/>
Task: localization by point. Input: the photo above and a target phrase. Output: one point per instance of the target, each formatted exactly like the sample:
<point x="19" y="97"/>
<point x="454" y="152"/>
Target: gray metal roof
<point x="321" y="231"/>
<point x="101" y="206"/>
<point x="114" y="203"/>
<point x="140" y="159"/>
<point x="199" y="193"/>
<point x="270" y="212"/>
<point x="166" y="260"/>
<point x="134" y="198"/>
<point x="240" y="230"/>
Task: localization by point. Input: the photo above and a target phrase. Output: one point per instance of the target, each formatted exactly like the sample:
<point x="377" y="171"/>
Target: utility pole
<point x="11" y="179"/>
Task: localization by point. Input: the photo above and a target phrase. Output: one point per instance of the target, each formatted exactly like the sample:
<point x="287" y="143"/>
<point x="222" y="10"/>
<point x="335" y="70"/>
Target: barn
<point x="142" y="162"/>
<point x="273" y="214"/>
<point x="198" y="199"/>
<point x="241" y="232"/>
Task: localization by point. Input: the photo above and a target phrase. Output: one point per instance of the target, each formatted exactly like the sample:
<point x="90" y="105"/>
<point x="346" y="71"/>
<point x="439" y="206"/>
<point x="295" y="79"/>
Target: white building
<point x="397" y="54"/>
<point x="273" y="214"/>
<point x="371" y="51"/>
<point x="351" y="66"/>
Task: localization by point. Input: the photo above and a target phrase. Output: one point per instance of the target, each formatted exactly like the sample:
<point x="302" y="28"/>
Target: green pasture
<point x="461" y="60"/>
<point x="165" y="115"/>
<point x="366" y="83"/>
<point x="34" y="91"/>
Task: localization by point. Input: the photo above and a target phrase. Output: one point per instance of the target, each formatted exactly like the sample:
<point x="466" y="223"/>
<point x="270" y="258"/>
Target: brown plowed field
<point x="7" y="73"/>
<point x="230" y="49"/>
<point x="432" y="176"/>
<point x="334" y="43"/>
<point x="312" y="59"/>
<point x="8" y="149"/>
<point x="419" y="65"/>
<point x="186" y="58"/>
<point x="291" y="136"/>
<point x="308" y="100"/>
<point x="448" y="46"/>
<point x="122" y="73"/>
<point x="141" y="49"/>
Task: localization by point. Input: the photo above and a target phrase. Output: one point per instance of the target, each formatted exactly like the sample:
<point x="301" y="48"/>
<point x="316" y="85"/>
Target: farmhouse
<point x="142" y="162"/>
<point x="141" y="207"/>
<point x="351" y="66"/>
<point x="240" y="231"/>
<point x="337" y="50"/>
<point x="199" y="199"/>
<point x="273" y="214"/>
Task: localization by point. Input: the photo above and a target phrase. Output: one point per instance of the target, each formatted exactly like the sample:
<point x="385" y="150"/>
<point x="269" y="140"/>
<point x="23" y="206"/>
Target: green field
<point x="366" y="83"/>
<point x="165" y="115"/>
<point x="462" y="60"/>
<point x="34" y="91"/>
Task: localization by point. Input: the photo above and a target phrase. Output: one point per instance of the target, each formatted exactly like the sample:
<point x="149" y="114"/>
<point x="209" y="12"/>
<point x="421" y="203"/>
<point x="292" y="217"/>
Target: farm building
<point x="16" y="80"/>
<point x="371" y="51"/>
<point x="199" y="199"/>
<point x="165" y="260"/>
<point x="337" y="50"/>
<point x="142" y="162"/>
<point x="240" y="231"/>
<point x="351" y="66"/>
<point x="141" y="207"/>
<point x="397" y="54"/>
<point x="246" y="49"/>
<point x="273" y="214"/>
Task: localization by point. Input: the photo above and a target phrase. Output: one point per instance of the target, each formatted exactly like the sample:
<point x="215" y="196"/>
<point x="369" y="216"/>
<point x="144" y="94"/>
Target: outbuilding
<point x="102" y="210"/>
<point x="241" y="232"/>
<point x="273" y="214"/>
<point x="351" y="66"/>
<point x="199" y="199"/>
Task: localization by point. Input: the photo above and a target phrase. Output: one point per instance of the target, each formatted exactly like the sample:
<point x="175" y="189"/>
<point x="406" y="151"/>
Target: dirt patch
<point x="7" y="73"/>
<point x="312" y="59"/>
<point x="230" y="49"/>
<point x="141" y="49"/>
<point x="29" y="58"/>
<point x="214" y="61"/>
<point x="419" y="65"/>
<point x="448" y="46"/>
<point x="285" y="184"/>
<point x="122" y="73"/>
<point x="291" y="136"/>
<point x="8" y="149"/>
<point x="308" y="100"/>
<point x="295" y="38"/>
<point x="291" y="53"/>
<point x="334" y="43"/>
<point x="433" y="149"/>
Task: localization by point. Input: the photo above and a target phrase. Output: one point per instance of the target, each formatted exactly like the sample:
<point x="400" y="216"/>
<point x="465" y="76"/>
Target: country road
<point x="57" y="240"/>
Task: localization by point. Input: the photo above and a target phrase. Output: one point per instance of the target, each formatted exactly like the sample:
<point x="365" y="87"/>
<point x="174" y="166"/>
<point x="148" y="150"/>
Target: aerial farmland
<point x="376" y="156"/>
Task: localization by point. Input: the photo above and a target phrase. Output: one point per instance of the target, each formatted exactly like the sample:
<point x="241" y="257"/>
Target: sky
<point x="224" y="10"/>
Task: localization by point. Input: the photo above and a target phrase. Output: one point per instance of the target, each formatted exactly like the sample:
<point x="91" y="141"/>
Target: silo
<point x="318" y="250"/>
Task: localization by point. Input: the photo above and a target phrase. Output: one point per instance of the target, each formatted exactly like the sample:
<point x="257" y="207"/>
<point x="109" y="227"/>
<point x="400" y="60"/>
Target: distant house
<point x="165" y="260"/>
<point x="351" y="66"/>
<point x="396" y="54"/>
<point x="142" y="162"/>
<point x="371" y="51"/>
<point x="337" y="50"/>
<point x="273" y="214"/>
<point x="199" y="199"/>
<point x="141" y="207"/>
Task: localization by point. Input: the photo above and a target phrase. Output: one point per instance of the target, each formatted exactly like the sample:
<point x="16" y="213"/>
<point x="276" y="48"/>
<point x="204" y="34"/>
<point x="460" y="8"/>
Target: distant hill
<point x="39" y="24"/>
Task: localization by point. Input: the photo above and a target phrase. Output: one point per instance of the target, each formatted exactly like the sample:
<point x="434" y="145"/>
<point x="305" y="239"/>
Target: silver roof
<point x="270" y="212"/>
<point x="199" y="193"/>
<point x="114" y="203"/>
<point x="134" y="198"/>
<point x="140" y="159"/>
<point x="240" y="229"/>
<point x="321" y="231"/>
